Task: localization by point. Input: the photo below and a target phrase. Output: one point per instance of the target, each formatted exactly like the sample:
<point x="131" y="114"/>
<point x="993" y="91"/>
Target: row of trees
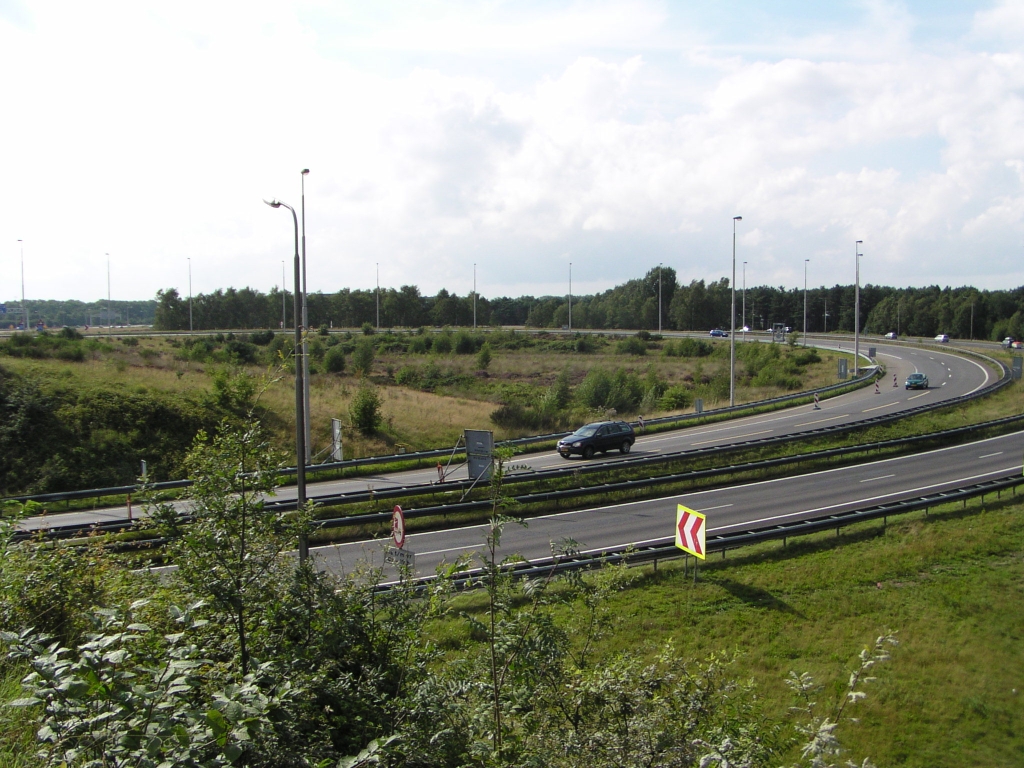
<point x="656" y="300"/>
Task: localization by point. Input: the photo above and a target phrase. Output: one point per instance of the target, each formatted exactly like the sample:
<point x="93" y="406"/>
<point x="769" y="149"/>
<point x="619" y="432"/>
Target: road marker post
<point x="877" y="391"/>
<point x="894" y="384"/>
<point x="817" y="407"/>
<point x="690" y="534"/>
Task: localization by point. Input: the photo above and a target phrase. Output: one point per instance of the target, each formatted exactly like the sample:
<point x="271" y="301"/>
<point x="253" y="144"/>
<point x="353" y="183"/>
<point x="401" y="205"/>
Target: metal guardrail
<point x="76" y="530"/>
<point x="627" y="555"/>
<point x="116" y="526"/>
<point x="367" y="461"/>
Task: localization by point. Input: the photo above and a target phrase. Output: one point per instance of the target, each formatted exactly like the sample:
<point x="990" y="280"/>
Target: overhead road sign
<point x="690" y="531"/>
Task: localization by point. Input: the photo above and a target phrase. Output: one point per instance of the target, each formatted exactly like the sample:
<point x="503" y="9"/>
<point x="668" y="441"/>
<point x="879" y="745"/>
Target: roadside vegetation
<point x="239" y="657"/>
<point x="84" y="412"/>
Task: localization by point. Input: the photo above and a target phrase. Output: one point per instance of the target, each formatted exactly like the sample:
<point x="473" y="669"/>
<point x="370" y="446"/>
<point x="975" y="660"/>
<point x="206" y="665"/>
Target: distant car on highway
<point x="1017" y="345"/>
<point x="942" y="338"/>
<point x="600" y="436"/>
<point x="1008" y="342"/>
<point x="891" y="335"/>
<point x="917" y="381"/>
<point x="720" y="333"/>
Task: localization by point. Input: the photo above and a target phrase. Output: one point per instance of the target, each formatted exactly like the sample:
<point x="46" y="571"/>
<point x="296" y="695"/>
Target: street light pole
<point x="570" y="297"/>
<point x="856" y="311"/>
<point x="284" y="296"/>
<point x="378" y="296"/>
<point x="743" y="316"/>
<point x="732" y="319"/>
<point x="474" y="296"/>
<point x="189" y="294"/>
<point x="300" y="420"/>
<point x="110" y="325"/>
<point x="306" y="412"/>
<point x="24" y="310"/>
<point x="805" y="301"/>
<point x="659" y="298"/>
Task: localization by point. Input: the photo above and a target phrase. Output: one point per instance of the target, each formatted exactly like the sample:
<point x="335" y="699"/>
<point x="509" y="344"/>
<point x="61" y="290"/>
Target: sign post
<point x="690" y="534"/>
<point x="397" y="555"/>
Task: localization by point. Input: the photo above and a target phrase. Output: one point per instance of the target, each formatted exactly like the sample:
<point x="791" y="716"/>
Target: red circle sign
<point x="398" y="526"/>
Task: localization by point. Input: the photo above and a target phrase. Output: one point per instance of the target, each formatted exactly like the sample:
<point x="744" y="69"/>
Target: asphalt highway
<point x="949" y="376"/>
<point x="734" y="509"/>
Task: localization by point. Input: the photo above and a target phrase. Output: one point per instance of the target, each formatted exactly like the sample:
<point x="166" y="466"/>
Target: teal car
<point x="917" y="381"/>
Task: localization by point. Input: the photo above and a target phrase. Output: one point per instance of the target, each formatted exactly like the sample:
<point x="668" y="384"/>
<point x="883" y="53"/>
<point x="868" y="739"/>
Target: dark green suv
<point x="600" y="436"/>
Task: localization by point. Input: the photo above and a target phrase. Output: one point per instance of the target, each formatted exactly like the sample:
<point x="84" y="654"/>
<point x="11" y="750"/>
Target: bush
<point x="408" y="376"/>
<point x="368" y="329"/>
<point x="443" y="343"/>
<point x="365" y="409"/>
<point x="465" y="343"/>
<point x="632" y="346"/>
<point x="261" y="338"/>
<point x="483" y="359"/>
<point x="334" y="360"/>
<point x="676" y="398"/>
<point x="362" y="357"/>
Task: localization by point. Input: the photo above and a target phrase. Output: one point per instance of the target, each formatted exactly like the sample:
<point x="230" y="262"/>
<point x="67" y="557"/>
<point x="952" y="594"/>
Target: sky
<point x="519" y="137"/>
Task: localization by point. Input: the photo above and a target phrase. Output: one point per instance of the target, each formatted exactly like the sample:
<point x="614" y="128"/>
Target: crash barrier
<point x="667" y="550"/>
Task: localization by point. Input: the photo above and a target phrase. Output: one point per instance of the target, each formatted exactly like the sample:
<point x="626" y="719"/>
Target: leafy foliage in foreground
<point x="273" y="663"/>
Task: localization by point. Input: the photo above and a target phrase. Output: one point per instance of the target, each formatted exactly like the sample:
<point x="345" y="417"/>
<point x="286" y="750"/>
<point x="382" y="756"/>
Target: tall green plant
<point x="231" y="551"/>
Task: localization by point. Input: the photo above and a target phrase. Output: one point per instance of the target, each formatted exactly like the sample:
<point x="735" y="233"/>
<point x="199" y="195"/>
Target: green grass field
<point x="951" y="584"/>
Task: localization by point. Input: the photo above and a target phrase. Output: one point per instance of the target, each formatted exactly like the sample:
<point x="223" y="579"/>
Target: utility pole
<point x="24" y="309"/>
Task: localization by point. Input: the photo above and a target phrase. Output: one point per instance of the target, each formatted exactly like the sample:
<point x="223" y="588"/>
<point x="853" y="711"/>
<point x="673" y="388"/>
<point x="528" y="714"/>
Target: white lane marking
<point x="878" y="407"/>
<point x="830" y="418"/>
<point x="990" y="455"/>
<point x="720" y="506"/>
<point x="737" y="437"/>
<point x="922" y="488"/>
<point x="688" y="495"/>
<point x="452" y="549"/>
<point x="917" y="396"/>
<point x="944" y="384"/>
<point x="880" y="477"/>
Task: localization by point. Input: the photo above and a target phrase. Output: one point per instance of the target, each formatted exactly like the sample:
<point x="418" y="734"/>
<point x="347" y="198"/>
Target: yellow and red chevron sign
<point x="690" y="531"/>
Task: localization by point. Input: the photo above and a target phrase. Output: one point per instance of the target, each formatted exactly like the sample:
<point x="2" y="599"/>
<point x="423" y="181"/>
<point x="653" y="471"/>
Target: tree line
<point x="655" y="300"/>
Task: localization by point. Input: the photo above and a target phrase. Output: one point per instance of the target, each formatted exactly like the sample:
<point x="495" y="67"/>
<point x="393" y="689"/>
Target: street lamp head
<point x="273" y="203"/>
<point x="305" y="171"/>
<point x="737" y="218"/>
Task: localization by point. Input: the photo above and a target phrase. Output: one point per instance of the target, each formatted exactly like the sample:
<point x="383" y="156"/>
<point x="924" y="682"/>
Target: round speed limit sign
<point x="398" y="527"/>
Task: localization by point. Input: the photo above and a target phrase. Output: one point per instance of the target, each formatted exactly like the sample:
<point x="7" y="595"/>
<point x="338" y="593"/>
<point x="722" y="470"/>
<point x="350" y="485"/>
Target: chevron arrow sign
<point x="690" y="531"/>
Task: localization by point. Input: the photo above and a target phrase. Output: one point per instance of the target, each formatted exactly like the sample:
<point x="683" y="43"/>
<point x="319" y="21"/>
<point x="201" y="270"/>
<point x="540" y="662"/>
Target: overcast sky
<point x="519" y="136"/>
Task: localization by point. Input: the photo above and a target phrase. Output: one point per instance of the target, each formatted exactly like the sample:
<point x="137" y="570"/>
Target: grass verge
<point x="951" y="584"/>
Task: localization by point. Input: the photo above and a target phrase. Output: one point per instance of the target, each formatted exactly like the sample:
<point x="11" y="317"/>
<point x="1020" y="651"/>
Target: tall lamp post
<point x="743" y="315"/>
<point x="189" y="294"/>
<point x="306" y="412"/>
<point x="805" y="300"/>
<point x="24" y="310"/>
<point x="570" y="297"/>
<point x="378" y="296"/>
<point x="300" y="419"/>
<point x="856" y="310"/>
<point x="474" y="296"/>
<point x="659" y="298"/>
<point x="284" y="296"/>
<point x="110" y="322"/>
<point x="732" y="319"/>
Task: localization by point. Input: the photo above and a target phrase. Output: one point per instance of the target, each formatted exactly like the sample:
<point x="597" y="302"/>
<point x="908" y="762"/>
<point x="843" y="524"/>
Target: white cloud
<point x="152" y="131"/>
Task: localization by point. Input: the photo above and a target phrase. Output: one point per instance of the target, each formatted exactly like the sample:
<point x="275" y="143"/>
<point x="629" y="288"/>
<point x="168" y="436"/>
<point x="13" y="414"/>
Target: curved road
<point x="949" y="376"/>
<point x="731" y="509"/>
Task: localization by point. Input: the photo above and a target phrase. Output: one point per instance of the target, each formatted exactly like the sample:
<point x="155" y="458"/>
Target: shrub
<point x="465" y="343"/>
<point x="365" y="409"/>
<point x="586" y="345"/>
<point x="420" y="344"/>
<point x="632" y="346"/>
<point x="71" y="334"/>
<point x="676" y="398"/>
<point x="334" y="360"/>
<point x="408" y="376"/>
<point x="262" y="338"/>
<point x="483" y="359"/>
<point x="362" y="357"/>
<point x="443" y="343"/>
<point x="368" y="329"/>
